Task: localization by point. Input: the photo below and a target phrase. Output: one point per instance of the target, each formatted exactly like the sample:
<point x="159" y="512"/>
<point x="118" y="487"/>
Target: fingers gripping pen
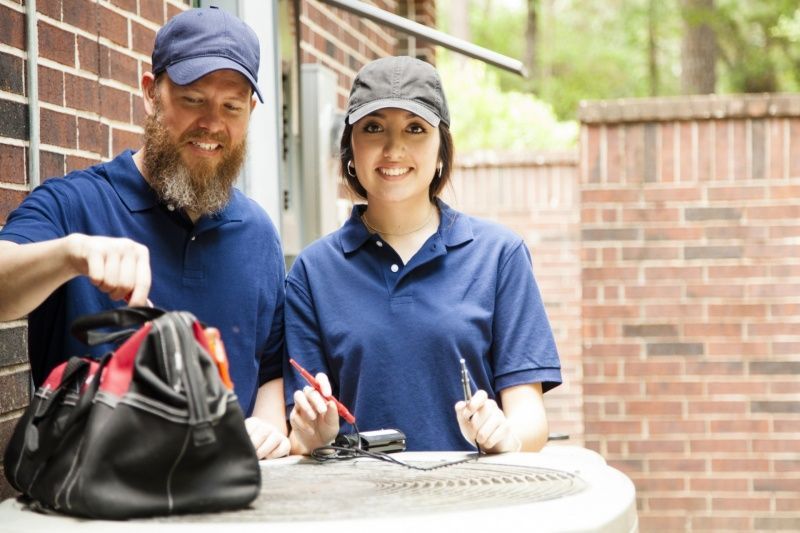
<point x="343" y="412"/>
<point x="465" y="382"/>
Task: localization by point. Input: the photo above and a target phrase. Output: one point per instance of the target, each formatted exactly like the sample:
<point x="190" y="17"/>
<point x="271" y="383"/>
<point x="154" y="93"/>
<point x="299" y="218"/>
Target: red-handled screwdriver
<point x="343" y="412"/>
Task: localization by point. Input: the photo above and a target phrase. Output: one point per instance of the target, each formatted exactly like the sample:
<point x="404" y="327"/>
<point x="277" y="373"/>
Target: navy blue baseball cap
<point x="197" y="42"/>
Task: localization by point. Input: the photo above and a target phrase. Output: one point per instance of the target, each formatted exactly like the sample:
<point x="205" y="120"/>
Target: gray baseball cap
<point x="401" y="82"/>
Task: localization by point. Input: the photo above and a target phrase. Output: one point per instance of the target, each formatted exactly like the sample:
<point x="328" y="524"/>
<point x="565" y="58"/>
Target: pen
<point x="343" y="412"/>
<point x="465" y="382"/>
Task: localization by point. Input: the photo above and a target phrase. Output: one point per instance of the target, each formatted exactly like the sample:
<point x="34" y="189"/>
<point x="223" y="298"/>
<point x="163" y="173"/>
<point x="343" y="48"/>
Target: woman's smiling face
<point x="395" y="154"/>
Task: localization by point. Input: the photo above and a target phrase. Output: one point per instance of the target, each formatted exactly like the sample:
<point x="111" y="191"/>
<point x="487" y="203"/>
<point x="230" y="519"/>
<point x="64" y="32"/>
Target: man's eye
<point x="233" y="107"/>
<point x="191" y="100"/>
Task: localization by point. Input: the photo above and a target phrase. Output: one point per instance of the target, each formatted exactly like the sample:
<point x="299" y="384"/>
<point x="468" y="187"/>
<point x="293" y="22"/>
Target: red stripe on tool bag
<point x="117" y="377"/>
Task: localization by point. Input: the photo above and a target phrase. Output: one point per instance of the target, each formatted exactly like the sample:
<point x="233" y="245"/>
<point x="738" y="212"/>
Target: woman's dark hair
<point x="446" y="154"/>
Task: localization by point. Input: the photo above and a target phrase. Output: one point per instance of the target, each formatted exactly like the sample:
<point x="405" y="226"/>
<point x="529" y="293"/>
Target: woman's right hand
<point x="314" y="421"/>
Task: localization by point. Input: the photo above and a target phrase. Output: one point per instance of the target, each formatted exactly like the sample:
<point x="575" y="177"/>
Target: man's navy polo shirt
<point x="390" y="336"/>
<point x="227" y="269"/>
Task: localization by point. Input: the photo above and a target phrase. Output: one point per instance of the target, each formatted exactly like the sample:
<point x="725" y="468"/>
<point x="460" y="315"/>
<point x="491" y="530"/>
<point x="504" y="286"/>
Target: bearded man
<point x="164" y="224"/>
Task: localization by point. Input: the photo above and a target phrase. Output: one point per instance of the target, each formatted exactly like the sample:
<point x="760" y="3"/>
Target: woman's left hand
<point x="268" y="441"/>
<point x="483" y="422"/>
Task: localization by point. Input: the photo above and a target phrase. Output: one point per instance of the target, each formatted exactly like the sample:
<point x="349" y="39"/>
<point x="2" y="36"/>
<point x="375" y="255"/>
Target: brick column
<point x="690" y="217"/>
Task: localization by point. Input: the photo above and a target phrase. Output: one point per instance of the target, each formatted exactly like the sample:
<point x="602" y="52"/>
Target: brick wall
<point x="91" y="57"/>
<point x="690" y="223"/>
<point x="344" y="42"/>
<point x="536" y="195"/>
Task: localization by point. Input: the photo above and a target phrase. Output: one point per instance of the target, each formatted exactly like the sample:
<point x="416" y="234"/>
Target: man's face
<point x="195" y="139"/>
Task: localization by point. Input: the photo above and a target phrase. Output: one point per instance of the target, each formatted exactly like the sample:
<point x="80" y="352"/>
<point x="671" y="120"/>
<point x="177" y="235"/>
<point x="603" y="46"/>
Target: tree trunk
<point x="532" y="40"/>
<point x="698" y="48"/>
<point x="652" y="46"/>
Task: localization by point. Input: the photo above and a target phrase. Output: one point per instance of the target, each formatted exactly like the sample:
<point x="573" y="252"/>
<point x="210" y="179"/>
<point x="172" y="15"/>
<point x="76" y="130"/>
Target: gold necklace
<point x="375" y="230"/>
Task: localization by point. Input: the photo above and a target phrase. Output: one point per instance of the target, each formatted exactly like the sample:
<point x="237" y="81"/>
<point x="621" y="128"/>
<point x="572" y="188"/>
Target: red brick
<point x="650" y="409"/>
<point x="777" y="156"/>
<point x="9" y="200"/>
<point x="737" y="388"/>
<point x="721" y="523"/>
<point x="705" y="151"/>
<point x="736" y="193"/>
<point x="12" y="28"/>
<point x="115" y="104"/>
<point x="51" y="165"/>
<point x="114" y="26"/>
<point x="12" y="165"/>
<point x="741" y="349"/>
<point x="719" y="484"/>
<point x="654" y="369"/>
<point x="653" y="446"/>
<point x="78" y="163"/>
<point x="617" y="196"/>
<point x="688" y="151"/>
<point x="718" y="446"/>
<point x="81" y="93"/>
<point x="674" y="388"/>
<point x="790" y="212"/>
<point x="657" y="522"/>
<point x="120" y="67"/>
<point x="739" y="426"/>
<point x="713" y="330"/>
<point x="653" y="311"/>
<point x="794" y="148"/>
<point x="714" y="291"/>
<point x="51" y="85"/>
<point x="740" y="167"/>
<point x="740" y="465"/>
<point x="127" y="5"/>
<point x="56" y="44"/>
<point x="93" y="137"/>
<point x="667" y="156"/>
<point x="676" y="427"/>
<point x="751" y="503"/>
<point x="58" y="129"/>
<point x="154" y="11"/>
<point x="717" y="407"/>
<point x="737" y="310"/>
<point x="609" y="427"/>
<point x="723" y="131"/>
<point x="682" y="273"/>
<point x="656" y="292"/>
<point x="729" y="368"/>
<point x="677" y="465"/>
<point x="124" y="140"/>
<point x="51" y="8"/>
<point x="82" y="13"/>
<point x="88" y="55"/>
<point x="777" y="446"/>
<point x="142" y="38"/>
<point x="738" y="271"/>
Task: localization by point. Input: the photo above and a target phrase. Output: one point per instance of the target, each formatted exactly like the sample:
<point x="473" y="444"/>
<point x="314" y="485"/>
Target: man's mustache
<point x="201" y="135"/>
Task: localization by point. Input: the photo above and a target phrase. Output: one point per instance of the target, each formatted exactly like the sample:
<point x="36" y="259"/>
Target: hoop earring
<point x="439" y="170"/>
<point x="351" y="173"/>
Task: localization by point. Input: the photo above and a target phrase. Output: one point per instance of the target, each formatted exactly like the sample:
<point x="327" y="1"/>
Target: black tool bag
<point x="148" y="430"/>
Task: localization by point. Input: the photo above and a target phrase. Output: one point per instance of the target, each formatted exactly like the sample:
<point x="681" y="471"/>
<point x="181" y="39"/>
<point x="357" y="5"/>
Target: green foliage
<point x="602" y="50"/>
<point x="485" y="117"/>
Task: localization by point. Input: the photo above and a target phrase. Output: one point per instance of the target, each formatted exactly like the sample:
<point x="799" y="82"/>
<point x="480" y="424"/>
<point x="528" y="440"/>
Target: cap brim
<point x="190" y="70"/>
<point x="409" y="105"/>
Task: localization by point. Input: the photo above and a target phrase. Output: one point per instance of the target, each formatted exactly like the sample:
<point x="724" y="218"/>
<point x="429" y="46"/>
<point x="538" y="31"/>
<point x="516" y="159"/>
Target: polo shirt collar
<point x="137" y="195"/>
<point x="454" y="228"/>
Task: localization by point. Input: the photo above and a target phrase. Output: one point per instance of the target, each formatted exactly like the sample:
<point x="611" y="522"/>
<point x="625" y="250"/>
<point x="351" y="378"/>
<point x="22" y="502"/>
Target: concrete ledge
<point x="696" y="107"/>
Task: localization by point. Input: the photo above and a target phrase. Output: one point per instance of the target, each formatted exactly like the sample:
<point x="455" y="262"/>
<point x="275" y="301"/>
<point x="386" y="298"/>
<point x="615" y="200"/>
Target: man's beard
<point x="202" y="189"/>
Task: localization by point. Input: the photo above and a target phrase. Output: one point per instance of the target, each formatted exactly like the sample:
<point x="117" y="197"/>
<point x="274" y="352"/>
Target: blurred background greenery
<point x="576" y="50"/>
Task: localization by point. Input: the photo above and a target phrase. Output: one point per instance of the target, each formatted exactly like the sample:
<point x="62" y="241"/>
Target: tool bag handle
<point x="130" y="318"/>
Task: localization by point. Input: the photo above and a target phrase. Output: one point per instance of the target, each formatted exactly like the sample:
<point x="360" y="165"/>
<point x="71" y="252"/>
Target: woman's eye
<point x="372" y="127"/>
<point x="416" y="128"/>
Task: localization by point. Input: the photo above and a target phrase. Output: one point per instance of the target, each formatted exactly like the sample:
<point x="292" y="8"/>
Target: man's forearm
<point x="29" y="273"/>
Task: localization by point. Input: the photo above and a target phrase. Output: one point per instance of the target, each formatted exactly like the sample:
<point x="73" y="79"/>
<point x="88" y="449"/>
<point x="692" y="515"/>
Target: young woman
<point x="384" y="309"/>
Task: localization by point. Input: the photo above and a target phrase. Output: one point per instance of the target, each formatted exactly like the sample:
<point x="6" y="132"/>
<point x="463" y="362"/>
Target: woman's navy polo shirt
<point x="390" y="336"/>
<point x="227" y="269"/>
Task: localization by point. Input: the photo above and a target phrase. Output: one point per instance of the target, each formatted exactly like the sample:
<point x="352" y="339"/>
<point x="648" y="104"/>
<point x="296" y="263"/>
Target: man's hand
<point x="314" y="421"/>
<point x="483" y="422"/>
<point x="117" y="266"/>
<point x="269" y="441"/>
